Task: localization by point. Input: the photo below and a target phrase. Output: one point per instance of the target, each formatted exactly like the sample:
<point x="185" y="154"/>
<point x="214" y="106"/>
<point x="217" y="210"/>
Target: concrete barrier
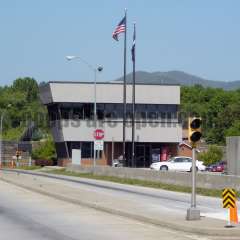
<point x="204" y="180"/>
<point x="233" y="155"/>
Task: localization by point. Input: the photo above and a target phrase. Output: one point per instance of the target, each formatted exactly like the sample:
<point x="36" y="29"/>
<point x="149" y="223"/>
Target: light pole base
<point x="193" y="214"/>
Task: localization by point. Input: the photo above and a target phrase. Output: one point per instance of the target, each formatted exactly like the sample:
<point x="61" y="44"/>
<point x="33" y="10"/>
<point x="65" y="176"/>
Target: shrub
<point x="212" y="155"/>
<point x="43" y="162"/>
<point x="45" y="154"/>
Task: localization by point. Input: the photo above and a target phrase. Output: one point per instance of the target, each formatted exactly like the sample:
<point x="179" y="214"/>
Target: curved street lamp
<point x="96" y="69"/>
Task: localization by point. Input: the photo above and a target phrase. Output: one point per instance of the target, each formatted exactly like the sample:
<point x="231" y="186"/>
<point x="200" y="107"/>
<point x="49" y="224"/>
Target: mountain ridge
<point x="180" y="78"/>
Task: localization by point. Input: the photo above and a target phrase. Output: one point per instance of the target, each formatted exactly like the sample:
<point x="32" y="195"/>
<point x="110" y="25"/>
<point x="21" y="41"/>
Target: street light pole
<point x="95" y="70"/>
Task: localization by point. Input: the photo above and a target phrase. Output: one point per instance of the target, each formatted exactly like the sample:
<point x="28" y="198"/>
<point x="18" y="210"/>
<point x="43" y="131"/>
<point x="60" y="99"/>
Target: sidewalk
<point x="118" y="206"/>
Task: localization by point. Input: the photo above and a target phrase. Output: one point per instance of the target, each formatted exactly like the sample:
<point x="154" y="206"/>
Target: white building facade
<point x="71" y="114"/>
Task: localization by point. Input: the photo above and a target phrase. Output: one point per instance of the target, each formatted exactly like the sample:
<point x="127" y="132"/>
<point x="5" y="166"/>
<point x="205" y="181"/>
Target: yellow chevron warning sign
<point x="229" y="198"/>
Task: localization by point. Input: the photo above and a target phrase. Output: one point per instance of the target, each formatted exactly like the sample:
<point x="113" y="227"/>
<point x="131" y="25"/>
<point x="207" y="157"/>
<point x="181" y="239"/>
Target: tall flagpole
<point x="124" y="90"/>
<point x="133" y="95"/>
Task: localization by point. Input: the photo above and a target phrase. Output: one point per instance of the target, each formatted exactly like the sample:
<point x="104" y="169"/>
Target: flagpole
<point x="133" y="95"/>
<point x="124" y="90"/>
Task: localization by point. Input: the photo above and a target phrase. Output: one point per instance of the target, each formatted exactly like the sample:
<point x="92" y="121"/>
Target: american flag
<point x="119" y="29"/>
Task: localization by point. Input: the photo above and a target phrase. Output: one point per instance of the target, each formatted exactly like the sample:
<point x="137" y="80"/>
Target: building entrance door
<point x="142" y="155"/>
<point x="76" y="156"/>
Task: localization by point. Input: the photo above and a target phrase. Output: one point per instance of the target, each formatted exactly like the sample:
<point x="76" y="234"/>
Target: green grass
<point x="29" y="167"/>
<point x="158" y="185"/>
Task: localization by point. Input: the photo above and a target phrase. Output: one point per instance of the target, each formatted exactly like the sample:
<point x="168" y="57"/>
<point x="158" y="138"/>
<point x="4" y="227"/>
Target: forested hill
<point x="181" y="78"/>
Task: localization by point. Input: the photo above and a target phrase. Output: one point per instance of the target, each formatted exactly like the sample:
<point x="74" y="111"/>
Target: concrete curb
<point x="181" y="226"/>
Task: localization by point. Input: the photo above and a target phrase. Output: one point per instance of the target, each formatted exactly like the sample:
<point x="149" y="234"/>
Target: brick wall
<point x="84" y="161"/>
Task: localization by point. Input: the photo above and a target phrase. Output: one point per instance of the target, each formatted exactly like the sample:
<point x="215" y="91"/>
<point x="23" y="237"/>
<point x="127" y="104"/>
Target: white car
<point x="178" y="164"/>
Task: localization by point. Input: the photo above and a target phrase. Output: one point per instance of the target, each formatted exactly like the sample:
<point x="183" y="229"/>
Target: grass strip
<point x="29" y="167"/>
<point x="143" y="183"/>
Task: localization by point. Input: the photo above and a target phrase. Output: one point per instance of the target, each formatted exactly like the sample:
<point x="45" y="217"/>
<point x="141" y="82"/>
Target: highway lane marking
<point x="194" y="237"/>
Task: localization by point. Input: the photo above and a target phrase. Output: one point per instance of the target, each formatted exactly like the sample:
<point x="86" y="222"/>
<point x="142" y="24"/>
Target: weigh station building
<point x="71" y="114"/>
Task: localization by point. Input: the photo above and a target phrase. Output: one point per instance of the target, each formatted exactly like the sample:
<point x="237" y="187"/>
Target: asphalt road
<point x="25" y="215"/>
<point x="156" y="199"/>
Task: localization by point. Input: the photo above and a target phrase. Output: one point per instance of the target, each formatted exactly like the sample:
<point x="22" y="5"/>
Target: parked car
<point x="179" y="163"/>
<point x="118" y="162"/>
<point x="217" y="167"/>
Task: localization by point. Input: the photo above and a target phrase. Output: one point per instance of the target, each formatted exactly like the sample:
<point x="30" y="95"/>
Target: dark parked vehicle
<point x="217" y="167"/>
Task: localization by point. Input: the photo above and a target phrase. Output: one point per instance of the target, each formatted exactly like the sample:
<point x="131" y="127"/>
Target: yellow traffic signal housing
<point x="18" y="153"/>
<point x="194" y="130"/>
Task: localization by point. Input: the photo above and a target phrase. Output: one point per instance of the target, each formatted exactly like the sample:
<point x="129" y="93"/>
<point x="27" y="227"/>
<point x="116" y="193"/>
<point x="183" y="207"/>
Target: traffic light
<point x="194" y="130"/>
<point x="18" y="153"/>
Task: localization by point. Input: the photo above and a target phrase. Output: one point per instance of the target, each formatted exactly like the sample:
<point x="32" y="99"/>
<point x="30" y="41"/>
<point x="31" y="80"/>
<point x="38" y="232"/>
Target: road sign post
<point x="98" y="135"/>
<point x="229" y="201"/>
<point x="98" y="145"/>
<point x="18" y="157"/>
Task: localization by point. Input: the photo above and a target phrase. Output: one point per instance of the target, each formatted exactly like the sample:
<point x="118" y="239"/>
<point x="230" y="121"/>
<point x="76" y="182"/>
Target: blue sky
<point x="199" y="37"/>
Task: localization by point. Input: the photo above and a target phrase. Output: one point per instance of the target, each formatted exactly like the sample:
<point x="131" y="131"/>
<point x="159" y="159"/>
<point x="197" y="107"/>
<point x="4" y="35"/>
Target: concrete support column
<point x="233" y="155"/>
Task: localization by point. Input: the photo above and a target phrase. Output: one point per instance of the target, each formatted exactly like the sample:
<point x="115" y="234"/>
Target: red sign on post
<point x="98" y="134"/>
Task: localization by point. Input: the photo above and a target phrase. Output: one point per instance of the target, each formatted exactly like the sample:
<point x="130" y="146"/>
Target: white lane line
<point x="194" y="237"/>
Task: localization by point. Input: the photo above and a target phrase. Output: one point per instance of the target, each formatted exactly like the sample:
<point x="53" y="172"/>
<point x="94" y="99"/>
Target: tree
<point x="218" y="108"/>
<point x="45" y="154"/>
<point x="26" y="108"/>
<point x="28" y="86"/>
<point x="212" y="155"/>
<point x="234" y="130"/>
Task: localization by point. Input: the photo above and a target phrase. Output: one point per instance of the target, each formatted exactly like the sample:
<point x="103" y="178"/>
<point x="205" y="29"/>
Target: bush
<point x="212" y="155"/>
<point x="43" y="162"/>
<point x="234" y="130"/>
<point x="45" y="154"/>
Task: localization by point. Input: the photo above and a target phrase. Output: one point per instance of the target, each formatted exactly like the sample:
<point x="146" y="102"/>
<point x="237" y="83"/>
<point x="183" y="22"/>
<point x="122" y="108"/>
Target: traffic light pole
<point x="193" y="213"/>
<point x="193" y="196"/>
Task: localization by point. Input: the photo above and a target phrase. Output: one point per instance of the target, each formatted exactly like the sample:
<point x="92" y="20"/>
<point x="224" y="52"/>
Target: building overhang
<point x="72" y="92"/>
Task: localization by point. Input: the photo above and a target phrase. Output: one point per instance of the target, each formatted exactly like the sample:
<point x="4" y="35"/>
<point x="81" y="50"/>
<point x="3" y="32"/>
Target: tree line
<point x="219" y="109"/>
<point x="21" y="106"/>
